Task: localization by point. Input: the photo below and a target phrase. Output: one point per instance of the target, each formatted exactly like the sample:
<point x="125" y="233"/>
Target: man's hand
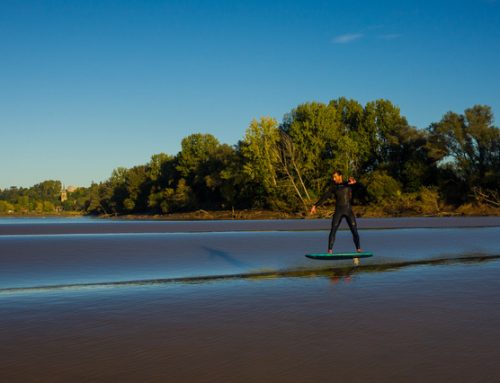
<point x="313" y="209"/>
<point x="351" y="181"/>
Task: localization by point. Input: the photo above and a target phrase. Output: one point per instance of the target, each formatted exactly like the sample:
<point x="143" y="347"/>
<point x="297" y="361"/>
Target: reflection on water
<point x="334" y="273"/>
<point x="45" y="260"/>
<point x="414" y="324"/>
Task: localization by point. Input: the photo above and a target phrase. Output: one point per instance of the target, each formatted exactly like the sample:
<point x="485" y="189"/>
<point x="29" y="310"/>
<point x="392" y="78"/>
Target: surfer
<point x="342" y="190"/>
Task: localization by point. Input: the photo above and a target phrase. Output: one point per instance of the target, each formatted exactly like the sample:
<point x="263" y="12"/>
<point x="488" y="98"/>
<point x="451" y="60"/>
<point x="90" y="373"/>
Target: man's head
<point x="337" y="176"/>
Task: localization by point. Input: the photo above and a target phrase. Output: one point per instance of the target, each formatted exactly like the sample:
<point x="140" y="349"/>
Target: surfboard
<point x="338" y="256"/>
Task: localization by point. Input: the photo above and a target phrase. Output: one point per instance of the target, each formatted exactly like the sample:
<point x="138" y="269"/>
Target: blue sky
<point x="87" y="86"/>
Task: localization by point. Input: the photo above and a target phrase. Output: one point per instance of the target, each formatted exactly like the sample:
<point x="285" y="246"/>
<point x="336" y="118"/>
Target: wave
<point x="330" y="271"/>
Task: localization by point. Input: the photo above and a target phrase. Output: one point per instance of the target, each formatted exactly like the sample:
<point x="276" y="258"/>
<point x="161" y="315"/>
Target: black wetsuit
<point x="343" y="195"/>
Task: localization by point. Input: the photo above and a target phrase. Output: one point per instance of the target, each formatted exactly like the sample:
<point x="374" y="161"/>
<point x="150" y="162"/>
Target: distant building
<point x="64" y="195"/>
<point x="66" y="191"/>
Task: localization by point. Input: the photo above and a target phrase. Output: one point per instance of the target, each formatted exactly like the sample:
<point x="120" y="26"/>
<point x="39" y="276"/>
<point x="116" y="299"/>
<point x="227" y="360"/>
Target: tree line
<point x="286" y="165"/>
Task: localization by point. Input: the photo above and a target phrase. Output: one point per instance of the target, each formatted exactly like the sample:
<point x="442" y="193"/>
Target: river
<point x="94" y="300"/>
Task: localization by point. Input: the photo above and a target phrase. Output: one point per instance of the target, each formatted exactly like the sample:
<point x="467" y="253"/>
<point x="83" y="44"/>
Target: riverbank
<point x="467" y="210"/>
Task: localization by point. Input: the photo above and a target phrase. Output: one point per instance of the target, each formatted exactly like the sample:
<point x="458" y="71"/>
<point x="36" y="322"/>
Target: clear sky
<point x="87" y="86"/>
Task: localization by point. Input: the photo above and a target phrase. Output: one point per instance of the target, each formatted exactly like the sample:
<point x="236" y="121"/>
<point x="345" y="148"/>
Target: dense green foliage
<point x="285" y="166"/>
<point x="44" y="197"/>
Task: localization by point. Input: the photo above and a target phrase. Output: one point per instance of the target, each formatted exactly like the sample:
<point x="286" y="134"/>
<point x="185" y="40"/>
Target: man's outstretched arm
<point x="322" y="199"/>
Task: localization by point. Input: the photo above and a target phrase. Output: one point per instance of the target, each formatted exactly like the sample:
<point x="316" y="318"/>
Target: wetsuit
<point x="343" y="194"/>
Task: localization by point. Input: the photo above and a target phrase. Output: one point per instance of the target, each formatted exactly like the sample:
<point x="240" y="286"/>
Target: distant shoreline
<point x="149" y="226"/>
<point x="201" y="215"/>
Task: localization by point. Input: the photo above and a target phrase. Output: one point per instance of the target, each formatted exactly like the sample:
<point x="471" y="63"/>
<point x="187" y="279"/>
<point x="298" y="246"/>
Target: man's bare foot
<point x="359" y="250"/>
<point x="330" y="251"/>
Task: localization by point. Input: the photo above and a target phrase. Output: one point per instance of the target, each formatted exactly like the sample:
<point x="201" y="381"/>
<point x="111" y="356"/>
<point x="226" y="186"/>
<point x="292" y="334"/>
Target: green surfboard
<point x="339" y="256"/>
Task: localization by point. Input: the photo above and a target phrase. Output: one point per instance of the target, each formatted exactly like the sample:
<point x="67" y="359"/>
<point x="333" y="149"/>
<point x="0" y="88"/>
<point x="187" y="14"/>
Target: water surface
<point x="421" y="323"/>
<point x="49" y="260"/>
<point x="85" y="225"/>
<point x="190" y="302"/>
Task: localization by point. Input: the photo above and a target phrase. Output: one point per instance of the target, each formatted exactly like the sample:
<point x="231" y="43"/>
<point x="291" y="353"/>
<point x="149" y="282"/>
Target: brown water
<point x="246" y="305"/>
<point x="413" y="324"/>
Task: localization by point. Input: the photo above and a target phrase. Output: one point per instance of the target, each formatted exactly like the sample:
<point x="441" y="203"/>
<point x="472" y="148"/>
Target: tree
<point x="204" y="165"/>
<point x="270" y="165"/>
<point x="227" y="175"/>
<point x="395" y="146"/>
<point x="162" y="174"/>
<point x="314" y="129"/>
<point x="196" y="151"/>
<point x="77" y="200"/>
<point x="350" y="146"/>
<point x="94" y="204"/>
<point x="259" y="149"/>
<point x="157" y="166"/>
<point x="468" y="146"/>
<point x="49" y="190"/>
<point x="136" y="181"/>
<point x="290" y="167"/>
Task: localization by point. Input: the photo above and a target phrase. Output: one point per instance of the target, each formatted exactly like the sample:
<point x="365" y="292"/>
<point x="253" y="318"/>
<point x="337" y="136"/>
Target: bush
<point x="423" y="202"/>
<point x="381" y="187"/>
<point x="428" y="199"/>
<point x="5" y="207"/>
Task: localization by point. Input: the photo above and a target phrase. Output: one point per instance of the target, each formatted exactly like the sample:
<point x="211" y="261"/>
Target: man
<point x="343" y="194"/>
